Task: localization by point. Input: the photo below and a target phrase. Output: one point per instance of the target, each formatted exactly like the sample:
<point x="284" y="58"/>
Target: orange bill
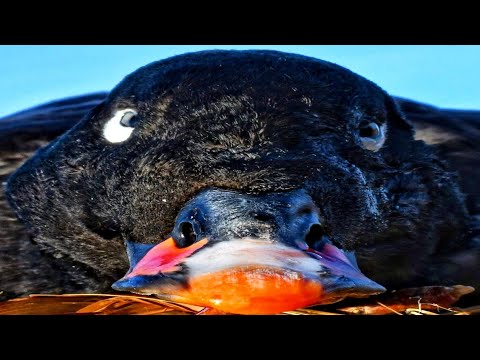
<point x="247" y="276"/>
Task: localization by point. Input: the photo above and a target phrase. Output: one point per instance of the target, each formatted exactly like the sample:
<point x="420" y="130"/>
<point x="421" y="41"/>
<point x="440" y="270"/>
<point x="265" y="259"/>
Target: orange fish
<point x="244" y="276"/>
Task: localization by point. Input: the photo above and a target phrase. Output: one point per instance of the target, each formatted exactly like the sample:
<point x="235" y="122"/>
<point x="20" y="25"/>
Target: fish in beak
<point x="245" y="276"/>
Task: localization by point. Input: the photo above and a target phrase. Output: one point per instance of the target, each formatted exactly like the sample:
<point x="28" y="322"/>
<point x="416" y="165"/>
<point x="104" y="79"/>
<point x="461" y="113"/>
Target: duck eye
<point x="371" y="130"/>
<point x="120" y="126"/>
<point x="129" y="119"/>
<point x="372" y="135"/>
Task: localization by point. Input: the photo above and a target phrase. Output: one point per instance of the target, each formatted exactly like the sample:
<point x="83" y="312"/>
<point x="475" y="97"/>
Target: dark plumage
<point x="256" y="122"/>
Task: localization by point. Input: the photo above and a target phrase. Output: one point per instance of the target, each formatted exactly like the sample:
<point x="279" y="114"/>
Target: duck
<point x="279" y="180"/>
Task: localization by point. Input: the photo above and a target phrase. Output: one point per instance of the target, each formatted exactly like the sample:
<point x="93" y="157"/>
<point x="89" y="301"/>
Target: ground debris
<point x="94" y="304"/>
<point x="428" y="300"/>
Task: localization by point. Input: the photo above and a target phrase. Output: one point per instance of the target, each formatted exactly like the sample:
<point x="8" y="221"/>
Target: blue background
<point x="446" y="76"/>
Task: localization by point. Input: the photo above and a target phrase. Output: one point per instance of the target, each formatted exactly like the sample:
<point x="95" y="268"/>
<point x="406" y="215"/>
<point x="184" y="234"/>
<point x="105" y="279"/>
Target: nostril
<point x="315" y="236"/>
<point x="187" y="235"/>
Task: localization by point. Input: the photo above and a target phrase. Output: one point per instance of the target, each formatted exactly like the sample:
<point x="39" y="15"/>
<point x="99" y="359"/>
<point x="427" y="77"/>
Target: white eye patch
<point x="119" y="127"/>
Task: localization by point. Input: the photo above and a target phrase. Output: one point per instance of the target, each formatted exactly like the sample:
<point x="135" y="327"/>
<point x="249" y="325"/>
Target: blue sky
<point x="446" y="76"/>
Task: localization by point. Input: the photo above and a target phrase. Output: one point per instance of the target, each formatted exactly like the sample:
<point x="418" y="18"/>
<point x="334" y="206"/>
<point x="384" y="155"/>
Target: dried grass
<point x="430" y="300"/>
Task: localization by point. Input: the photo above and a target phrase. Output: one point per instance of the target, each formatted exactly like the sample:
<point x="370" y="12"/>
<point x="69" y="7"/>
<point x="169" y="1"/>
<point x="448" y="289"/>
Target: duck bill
<point x="246" y="276"/>
<point x="344" y="278"/>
